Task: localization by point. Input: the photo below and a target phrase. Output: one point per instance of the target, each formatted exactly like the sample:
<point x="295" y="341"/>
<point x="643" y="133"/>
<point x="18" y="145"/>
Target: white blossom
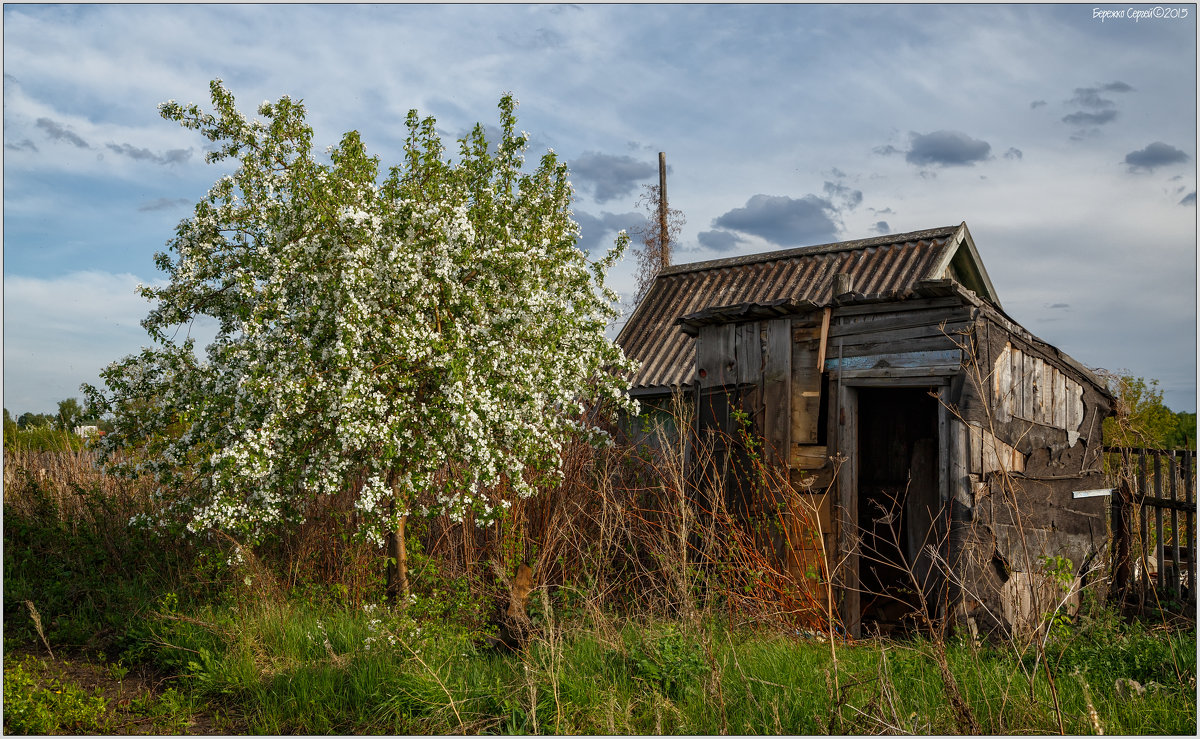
<point x="427" y="339"/>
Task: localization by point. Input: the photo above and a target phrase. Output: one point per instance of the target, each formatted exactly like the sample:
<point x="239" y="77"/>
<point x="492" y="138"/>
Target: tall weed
<point x="69" y="549"/>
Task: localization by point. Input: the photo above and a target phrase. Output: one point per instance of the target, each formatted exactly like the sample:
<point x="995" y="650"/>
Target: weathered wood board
<point x="810" y="538"/>
<point x="806" y="382"/>
<point x="809" y="456"/>
<point x="951" y="358"/>
<point x="716" y="362"/>
<point x="988" y="454"/>
<point x="1028" y="387"/>
<point x="777" y="383"/>
<point x="899" y="306"/>
<point x="931" y="321"/>
<point x="748" y="352"/>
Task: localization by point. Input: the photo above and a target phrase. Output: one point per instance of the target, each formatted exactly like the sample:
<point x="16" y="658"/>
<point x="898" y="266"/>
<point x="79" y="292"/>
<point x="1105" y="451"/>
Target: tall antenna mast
<point x="663" y="235"/>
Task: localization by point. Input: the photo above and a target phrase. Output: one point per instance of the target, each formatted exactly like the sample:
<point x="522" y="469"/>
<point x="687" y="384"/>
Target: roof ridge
<point x="836" y="246"/>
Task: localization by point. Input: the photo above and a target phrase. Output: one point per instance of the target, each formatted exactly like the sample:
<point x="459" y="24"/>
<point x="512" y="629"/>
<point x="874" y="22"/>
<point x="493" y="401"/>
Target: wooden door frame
<point x="843" y="432"/>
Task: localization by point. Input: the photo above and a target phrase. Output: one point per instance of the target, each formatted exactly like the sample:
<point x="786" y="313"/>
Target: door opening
<point x="897" y="506"/>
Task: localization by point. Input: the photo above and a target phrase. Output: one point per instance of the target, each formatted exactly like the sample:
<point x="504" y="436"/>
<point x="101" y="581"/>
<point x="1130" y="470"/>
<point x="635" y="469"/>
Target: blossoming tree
<point x="427" y="340"/>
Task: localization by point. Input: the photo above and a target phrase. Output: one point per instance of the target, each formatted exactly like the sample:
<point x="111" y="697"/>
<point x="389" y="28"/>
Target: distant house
<point x="884" y="380"/>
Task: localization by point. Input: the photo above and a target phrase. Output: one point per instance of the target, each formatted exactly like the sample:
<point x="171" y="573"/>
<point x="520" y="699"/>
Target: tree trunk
<point x="397" y="571"/>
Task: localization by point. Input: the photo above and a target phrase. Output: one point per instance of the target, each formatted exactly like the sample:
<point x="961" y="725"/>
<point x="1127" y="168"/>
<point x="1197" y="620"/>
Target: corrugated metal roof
<point x="881" y="265"/>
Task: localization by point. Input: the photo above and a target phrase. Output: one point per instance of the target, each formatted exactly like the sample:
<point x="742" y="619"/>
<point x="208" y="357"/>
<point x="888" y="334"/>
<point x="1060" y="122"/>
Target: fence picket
<point x="1142" y="524"/>
<point x="1140" y="488"/>
<point x="1159" y="547"/>
<point x="1175" y="568"/>
<point x="1190" y="519"/>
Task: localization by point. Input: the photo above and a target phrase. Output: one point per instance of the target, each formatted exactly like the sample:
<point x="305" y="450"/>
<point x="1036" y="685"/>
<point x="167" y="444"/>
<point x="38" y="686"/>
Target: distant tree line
<point x="70" y="414"/>
<point x="1142" y="420"/>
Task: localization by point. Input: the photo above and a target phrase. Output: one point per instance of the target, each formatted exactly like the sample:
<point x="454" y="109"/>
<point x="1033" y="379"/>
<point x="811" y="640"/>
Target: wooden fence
<point x="1153" y="525"/>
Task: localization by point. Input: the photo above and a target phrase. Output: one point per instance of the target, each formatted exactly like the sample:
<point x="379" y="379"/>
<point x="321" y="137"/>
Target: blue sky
<point x="1067" y="144"/>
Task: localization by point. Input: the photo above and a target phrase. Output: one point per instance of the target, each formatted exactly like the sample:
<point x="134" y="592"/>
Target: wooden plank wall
<point x="846" y="413"/>
<point x="806" y="380"/>
<point x="1028" y="387"/>
<point x="986" y="453"/>
<point x="716" y="362"/>
<point x="812" y="536"/>
<point x="901" y="327"/>
<point x="900" y="340"/>
<point x="774" y="364"/>
<point x="777" y="383"/>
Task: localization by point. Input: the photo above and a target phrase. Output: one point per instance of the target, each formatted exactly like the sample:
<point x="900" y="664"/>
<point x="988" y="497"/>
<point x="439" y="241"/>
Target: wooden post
<point x="950" y="590"/>
<point x="664" y="237"/>
<point x="847" y="445"/>
<point x="824" y="338"/>
<point x="842" y="284"/>
<point x="1120" y="544"/>
<point x="961" y="496"/>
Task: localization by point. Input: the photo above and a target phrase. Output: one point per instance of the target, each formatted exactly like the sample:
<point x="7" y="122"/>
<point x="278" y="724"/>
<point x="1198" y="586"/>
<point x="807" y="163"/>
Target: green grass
<point x="42" y="697"/>
<point x="37" y="704"/>
<point x="295" y="668"/>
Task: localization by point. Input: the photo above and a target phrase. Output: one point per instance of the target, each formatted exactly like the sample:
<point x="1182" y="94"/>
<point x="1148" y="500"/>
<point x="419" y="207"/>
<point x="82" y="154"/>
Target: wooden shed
<point x="882" y="377"/>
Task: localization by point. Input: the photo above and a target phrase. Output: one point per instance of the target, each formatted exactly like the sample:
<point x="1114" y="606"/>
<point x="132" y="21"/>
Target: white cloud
<point x="60" y="332"/>
<point x="77" y="144"/>
<point x="743" y="99"/>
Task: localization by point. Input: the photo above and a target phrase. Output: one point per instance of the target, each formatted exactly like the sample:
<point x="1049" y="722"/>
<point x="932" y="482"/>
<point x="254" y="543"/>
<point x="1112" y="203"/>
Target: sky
<point x="1064" y="138"/>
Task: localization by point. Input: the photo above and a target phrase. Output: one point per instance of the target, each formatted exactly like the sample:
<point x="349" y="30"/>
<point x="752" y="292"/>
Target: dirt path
<point x="137" y="700"/>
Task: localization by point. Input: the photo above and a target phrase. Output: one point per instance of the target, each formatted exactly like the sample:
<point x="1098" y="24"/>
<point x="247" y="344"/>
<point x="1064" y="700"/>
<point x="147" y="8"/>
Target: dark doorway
<point x="897" y="505"/>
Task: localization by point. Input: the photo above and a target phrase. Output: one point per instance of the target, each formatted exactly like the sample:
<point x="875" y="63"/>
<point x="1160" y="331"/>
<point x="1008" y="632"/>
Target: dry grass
<point x="66" y="484"/>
